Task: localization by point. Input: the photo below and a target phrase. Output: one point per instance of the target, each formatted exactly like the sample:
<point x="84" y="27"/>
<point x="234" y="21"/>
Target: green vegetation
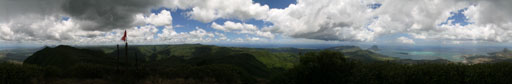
<point x="18" y="74"/>
<point x="354" y="52"/>
<point x="194" y="63"/>
<point x="66" y="56"/>
<point x="327" y="67"/>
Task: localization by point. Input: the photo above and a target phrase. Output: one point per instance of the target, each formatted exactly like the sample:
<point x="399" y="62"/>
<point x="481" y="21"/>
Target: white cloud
<point x="490" y="12"/>
<point x="221" y="37"/>
<point x="265" y="34"/>
<point x="468" y="32"/>
<point x="5" y="32"/>
<point x="324" y="20"/>
<point x="452" y="42"/>
<point x="209" y="10"/>
<point x="92" y="15"/>
<point x="241" y="28"/>
<point x="338" y="20"/>
<point x="487" y="19"/>
<point x="142" y="34"/>
<point x="238" y="40"/>
<point x="40" y="28"/>
<point x="232" y="26"/>
<point x="147" y="35"/>
<point x="160" y="19"/>
<point x="178" y="26"/>
<point x="349" y="20"/>
<point x="52" y="30"/>
<point x="196" y="36"/>
<point x="253" y="39"/>
<point x="405" y="40"/>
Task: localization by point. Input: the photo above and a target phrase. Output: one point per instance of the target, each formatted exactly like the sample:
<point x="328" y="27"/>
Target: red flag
<point x="124" y="36"/>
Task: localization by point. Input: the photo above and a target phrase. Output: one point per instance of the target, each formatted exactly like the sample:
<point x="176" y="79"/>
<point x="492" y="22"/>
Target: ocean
<point x="431" y="53"/>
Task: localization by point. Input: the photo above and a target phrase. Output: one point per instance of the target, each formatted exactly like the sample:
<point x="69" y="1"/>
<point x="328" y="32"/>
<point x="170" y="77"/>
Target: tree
<point x="324" y="67"/>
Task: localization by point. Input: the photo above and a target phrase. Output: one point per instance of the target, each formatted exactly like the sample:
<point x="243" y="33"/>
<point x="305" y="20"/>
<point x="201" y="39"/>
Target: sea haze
<point x="431" y="52"/>
<point x="452" y="53"/>
<point x="308" y="46"/>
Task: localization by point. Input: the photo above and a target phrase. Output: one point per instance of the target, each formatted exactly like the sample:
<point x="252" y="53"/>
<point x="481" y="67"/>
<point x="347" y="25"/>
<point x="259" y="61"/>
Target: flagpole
<point x="126" y="45"/>
<point x="126" y="50"/>
<point x="117" y="67"/>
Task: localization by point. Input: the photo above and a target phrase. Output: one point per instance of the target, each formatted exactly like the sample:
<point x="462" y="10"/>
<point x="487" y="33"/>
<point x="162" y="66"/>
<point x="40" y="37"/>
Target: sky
<point x="372" y="22"/>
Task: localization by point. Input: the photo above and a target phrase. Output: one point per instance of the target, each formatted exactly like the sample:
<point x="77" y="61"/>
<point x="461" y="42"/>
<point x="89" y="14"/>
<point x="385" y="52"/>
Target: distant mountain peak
<point x="374" y="48"/>
<point x="349" y="48"/>
<point x="65" y="47"/>
<point x="344" y="47"/>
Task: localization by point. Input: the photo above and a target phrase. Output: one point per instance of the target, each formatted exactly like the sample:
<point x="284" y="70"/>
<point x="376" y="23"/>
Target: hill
<point x="190" y="60"/>
<point x="156" y="56"/>
<point x="374" y="48"/>
<point x="269" y="57"/>
<point x="501" y="56"/>
<point x="354" y="52"/>
<point x="195" y="63"/>
<point x="344" y="48"/>
<point x="65" y="56"/>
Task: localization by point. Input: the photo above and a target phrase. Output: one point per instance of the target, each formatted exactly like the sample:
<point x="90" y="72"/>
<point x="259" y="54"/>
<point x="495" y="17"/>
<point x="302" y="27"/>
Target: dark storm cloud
<point x="12" y="9"/>
<point x="41" y="20"/>
<point x="328" y="32"/>
<point x="105" y="15"/>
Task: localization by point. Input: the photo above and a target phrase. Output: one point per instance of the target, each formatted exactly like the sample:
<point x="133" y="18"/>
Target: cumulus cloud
<point x="232" y="26"/>
<point x="6" y="32"/>
<point x="490" y="12"/>
<point x="339" y="20"/>
<point x="92" y="15"/>
<point x="38" y="28"/>
<point x="13" y="9"/>
<point x="160" y="19"/>
<point x="221" y="37"/>
<point x="209" y="10"/>
<point x="466" y="33"/>
<point x="52" y="30"/>
<point x="35" y="20"/>
<point x="405" y="40"/>
<point x="488" y="23"/>
<point x="95" y="20"/>
<point x="196" y="36"/>
<point x="349" y="20"/>
<point x="106" y="14"/>
<point x="243" y="28"/>
<point x="253" y="39"/>
<point x="143" y="34"/>
<point x="41" y="29"/>
<point x="324" y="20"/>
<point x="179" y="25"/>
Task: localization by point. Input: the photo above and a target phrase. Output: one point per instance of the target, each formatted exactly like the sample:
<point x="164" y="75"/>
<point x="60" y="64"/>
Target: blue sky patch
<point x="457" y="17"/>
<point x="281" y="4"/>
<point x="64" y="18"/>
<point x="180" y="17"/>
<point x="375" y="5"/>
